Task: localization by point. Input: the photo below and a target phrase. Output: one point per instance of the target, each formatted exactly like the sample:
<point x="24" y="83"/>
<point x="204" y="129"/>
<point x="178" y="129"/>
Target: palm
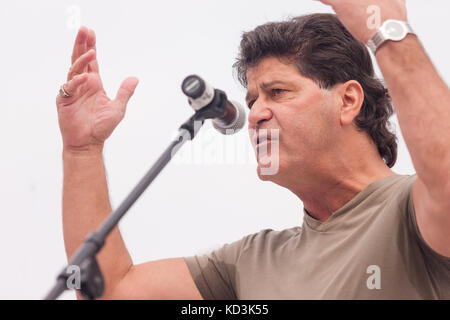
<point x="91" y="118"/>
<point x="88" y="116"/>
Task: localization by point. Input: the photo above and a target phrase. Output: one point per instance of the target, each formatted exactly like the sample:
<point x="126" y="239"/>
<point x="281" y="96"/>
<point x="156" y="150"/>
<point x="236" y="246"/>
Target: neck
<point x="335" y="183"/>
<point x="329" y="195"/>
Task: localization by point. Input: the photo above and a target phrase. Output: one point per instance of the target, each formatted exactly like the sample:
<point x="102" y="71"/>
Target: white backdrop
<point x="191" y="207"/>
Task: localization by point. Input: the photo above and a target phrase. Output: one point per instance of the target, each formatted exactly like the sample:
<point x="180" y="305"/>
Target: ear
<point x="351" y="96"/>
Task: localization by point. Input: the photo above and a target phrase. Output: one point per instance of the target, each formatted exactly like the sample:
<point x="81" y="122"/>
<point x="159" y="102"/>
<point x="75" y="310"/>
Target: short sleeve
<point x="215" y="273"/>
<point x="438" y="266"/>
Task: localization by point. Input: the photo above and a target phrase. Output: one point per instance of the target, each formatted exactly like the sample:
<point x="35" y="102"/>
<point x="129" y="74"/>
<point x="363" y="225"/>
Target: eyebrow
<point x="265" y="86"/>
<point x="271" y="83"/>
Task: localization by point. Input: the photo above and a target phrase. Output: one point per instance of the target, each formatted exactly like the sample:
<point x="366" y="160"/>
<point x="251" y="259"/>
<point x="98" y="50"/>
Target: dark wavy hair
<point x="325" y="52"/>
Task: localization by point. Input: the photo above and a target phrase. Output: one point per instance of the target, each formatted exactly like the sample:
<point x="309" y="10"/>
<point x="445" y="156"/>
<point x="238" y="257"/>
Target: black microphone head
<point x="199" y="92"/>
<point x="193" y="86"/>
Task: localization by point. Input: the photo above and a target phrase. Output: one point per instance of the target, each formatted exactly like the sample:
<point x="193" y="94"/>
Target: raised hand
<point x="88" y="117"/>
<point x="358" y="16"/>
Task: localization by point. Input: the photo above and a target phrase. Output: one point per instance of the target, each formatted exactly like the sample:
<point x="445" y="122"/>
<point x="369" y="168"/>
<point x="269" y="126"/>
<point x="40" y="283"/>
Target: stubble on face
<point x="283" y="99"/>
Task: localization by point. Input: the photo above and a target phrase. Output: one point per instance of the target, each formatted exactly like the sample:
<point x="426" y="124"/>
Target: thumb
<point x="126" y="90"/>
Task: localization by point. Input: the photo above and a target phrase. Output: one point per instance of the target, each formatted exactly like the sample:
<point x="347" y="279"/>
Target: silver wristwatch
<point x="394" y="30"/>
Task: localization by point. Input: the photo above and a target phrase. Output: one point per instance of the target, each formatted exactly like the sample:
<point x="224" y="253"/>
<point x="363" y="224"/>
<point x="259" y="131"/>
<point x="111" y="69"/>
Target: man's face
<point x="279" y="97"/>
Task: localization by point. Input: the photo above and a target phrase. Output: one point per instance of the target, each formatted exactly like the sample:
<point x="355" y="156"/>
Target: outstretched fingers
<point x="80" y="65"/>
<point x="80" y="47"/>
<point x="91" y="44"/>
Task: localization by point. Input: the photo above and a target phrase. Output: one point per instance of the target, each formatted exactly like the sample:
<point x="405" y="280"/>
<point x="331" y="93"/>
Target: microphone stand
<point x="91" y="279"/>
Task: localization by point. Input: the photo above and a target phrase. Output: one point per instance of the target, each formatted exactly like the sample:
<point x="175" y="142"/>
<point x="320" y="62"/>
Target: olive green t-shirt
<point x="370" y="248"/>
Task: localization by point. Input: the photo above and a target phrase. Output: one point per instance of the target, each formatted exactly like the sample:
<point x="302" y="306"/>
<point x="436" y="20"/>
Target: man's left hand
<point x="363" y="17"/>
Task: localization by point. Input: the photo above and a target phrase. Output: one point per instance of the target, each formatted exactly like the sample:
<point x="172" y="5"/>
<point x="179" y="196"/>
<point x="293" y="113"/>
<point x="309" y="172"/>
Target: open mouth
<point x="259" y="139"/>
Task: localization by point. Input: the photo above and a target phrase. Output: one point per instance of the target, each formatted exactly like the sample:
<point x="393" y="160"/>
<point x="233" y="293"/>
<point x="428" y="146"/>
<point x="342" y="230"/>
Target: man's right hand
<point x="88" y="117"/>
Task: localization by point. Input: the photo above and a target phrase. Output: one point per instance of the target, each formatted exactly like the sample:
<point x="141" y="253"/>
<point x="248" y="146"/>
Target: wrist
<point x="83" y="152"/>
<point x="400" y="52"/>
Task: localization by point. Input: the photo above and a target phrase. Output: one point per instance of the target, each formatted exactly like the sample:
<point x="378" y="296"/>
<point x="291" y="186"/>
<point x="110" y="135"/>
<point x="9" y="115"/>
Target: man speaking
<point x="367" y="233"/>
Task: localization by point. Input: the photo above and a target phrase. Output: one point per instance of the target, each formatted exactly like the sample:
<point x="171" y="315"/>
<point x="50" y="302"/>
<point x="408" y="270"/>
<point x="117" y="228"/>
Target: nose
<point x="259" y="113"/>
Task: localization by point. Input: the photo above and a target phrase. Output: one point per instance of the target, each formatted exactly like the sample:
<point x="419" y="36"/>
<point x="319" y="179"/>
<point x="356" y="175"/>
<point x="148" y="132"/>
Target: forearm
<point x="422" y="103"/>
<point x="85" y="206"/>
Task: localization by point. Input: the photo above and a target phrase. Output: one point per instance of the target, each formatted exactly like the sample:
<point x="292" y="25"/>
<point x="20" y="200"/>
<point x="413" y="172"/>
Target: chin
<point x="263" y="177"/>
<point x="267" y="172"/>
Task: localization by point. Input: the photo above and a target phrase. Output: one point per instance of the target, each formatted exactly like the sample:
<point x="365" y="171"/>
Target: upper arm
<point x="432" y="210"/>
<point x="167" y="279"/>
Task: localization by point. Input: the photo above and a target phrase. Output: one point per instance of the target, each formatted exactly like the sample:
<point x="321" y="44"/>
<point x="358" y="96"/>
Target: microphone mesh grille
<point x="237" y="125"/>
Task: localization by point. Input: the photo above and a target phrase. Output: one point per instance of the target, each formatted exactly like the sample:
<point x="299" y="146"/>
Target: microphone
<point x="200" y="95"/>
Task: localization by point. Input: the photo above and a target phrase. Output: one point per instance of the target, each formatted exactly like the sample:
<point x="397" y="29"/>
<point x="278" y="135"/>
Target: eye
<point x="277" y="91"/>
<point x="250" y="104"/>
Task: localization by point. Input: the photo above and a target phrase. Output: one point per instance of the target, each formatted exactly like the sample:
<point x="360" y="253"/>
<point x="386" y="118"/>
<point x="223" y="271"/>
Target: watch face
<point x="395" y="30"/>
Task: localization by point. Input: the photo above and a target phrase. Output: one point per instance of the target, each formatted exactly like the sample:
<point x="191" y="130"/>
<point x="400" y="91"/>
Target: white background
<point x="190" y="208"/>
